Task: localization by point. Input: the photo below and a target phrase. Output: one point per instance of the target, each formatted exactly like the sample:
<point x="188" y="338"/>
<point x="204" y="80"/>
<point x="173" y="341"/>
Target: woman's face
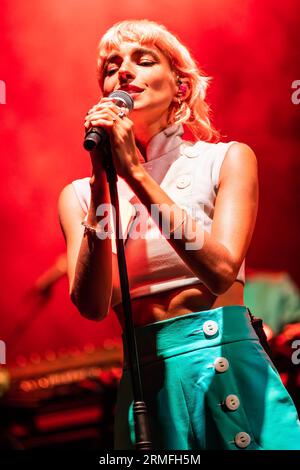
<point x="144" y="72"/>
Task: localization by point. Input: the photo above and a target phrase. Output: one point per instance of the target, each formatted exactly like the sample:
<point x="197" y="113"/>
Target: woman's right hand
<point x="125" y="155"/>
<point x="96" y="156"/>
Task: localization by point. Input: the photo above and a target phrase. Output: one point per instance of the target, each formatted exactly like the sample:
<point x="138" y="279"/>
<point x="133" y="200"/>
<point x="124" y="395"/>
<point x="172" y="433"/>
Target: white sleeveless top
<point x="189" y="174"/>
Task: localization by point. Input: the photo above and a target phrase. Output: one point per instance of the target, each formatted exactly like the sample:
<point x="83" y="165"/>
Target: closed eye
<point x="147" y="62"/>
<point x="110" y="71"/>
<point x="144" y="63"/>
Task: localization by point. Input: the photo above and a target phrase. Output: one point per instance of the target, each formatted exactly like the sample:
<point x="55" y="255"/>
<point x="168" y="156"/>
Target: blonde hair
<point x="194" y="112"/>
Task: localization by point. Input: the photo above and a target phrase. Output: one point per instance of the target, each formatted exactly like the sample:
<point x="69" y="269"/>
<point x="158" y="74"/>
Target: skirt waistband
<point x="192" y="331"/>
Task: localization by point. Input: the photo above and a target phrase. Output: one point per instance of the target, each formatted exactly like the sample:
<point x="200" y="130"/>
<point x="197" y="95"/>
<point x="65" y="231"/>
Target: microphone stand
<point x="142" y="432"/>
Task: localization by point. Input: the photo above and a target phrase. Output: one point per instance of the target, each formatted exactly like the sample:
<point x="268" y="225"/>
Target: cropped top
<point x="189" y="174"/>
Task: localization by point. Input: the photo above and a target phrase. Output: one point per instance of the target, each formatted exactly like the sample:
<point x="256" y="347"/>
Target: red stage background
<point x="48" y="56"/>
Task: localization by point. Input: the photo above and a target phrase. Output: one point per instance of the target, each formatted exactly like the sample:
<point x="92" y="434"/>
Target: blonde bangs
<point x="127" y="31"/>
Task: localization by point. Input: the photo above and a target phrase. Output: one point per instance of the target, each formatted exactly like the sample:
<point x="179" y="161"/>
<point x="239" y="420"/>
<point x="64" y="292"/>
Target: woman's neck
<point x="144" y="133"/>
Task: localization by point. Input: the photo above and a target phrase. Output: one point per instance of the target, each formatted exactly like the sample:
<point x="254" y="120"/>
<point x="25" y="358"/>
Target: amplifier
<point x="64" y="400"/>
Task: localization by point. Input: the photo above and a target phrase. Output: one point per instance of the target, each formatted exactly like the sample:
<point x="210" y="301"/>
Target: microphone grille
<point x="124" y="99"/>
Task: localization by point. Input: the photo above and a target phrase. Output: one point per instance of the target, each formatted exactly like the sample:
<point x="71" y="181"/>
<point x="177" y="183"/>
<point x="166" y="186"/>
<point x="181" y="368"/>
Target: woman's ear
<point x="182" y="93"/>
<point x="184" y="89"/>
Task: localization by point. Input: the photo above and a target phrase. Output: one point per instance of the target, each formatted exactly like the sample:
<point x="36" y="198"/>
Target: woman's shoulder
<point x="207" y="158"/>
<point x="203" y="148"/>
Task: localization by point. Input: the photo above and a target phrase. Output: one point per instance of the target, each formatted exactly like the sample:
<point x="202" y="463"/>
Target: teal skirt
<point x="208" y="384"/>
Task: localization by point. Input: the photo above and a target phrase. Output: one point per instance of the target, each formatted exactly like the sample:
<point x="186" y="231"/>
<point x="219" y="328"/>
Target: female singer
<point x="208" y="383"/>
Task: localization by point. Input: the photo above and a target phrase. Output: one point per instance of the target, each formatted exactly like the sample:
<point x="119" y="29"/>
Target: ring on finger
<point x="121" y="114"/>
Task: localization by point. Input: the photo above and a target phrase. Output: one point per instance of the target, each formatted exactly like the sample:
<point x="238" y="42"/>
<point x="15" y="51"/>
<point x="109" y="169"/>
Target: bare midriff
<point x="180" y="301"/>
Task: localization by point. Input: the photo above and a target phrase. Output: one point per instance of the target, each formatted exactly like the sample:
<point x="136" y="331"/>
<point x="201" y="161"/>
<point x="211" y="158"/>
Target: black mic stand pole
<point x="142" y="432"/>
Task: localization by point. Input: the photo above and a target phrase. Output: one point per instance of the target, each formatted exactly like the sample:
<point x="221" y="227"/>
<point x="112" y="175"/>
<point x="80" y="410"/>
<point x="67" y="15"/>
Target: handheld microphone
<point x="95" y="135"/>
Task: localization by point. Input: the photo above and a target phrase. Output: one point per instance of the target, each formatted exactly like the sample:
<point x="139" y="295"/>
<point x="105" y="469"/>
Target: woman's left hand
<point x="125" y="154"/>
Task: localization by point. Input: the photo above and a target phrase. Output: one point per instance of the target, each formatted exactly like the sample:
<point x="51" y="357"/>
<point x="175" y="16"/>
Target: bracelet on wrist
<point x="89" y="229"/>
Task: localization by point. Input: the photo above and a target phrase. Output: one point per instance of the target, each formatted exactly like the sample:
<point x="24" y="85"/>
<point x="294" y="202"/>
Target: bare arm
<point x="217" y="262"/>
<point x="89" y="265"/>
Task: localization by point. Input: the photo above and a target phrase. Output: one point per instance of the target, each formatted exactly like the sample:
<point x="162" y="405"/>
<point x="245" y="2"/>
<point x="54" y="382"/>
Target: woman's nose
<point x="125" y="72"/>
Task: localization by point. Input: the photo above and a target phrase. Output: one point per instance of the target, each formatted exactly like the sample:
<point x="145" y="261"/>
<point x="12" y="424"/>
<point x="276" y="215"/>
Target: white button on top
<point x="191" y="152"/>
<point x="183" y="181"/>
<point x="232" y="402"/>
<point x="221" y="364"/>
<point x="242" y="439"/>
<point x="210" y="328"/>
